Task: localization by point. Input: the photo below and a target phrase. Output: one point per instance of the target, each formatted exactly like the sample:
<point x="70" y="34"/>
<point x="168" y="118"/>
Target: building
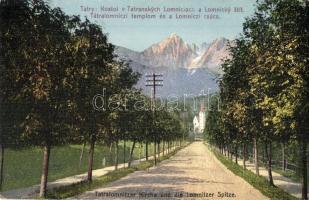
<point x="199" y="121"/>
<point x="195" y="124"/>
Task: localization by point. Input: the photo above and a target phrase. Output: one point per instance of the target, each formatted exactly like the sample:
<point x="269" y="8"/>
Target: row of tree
<point x="53" y="66"/>
<point x="264" y="91"/>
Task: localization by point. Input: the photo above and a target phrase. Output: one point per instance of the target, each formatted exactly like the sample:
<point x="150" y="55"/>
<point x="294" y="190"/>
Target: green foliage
<point x="258" y="182"/>
<point x="52" y="67"/>
<point x="264" y="89"/>
<point x="213" y="131"/>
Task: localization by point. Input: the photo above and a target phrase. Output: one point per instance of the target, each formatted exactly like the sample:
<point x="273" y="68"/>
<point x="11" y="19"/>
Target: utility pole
<point x="154" y="80"/>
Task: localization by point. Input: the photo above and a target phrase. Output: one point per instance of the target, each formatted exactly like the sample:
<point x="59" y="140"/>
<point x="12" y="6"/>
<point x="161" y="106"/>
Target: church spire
<point x="202" y="108"/>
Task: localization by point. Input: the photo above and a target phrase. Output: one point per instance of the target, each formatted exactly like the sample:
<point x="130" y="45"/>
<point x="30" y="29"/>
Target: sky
<point x="139" y="34"/>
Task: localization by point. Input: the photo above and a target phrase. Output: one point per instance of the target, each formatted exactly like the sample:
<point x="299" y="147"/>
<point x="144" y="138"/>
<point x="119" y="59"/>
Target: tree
<point x="13" y="42"/>
<point x="39" y="76"/>
<point x="46" y="88"/>
<point x="279" y="75"/>
<point x="94" y="71"/>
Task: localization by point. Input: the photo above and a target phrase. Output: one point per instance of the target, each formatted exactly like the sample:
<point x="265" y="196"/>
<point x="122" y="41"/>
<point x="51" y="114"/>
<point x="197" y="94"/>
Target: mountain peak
<point x="172" y="51"/>
<point x="221" y="38"/>
<point x="174" y="35"/>
<point x="174" y="38"/>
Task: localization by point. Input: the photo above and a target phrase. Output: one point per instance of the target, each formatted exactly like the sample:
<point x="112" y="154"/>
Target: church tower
<point x="202" y="118"/>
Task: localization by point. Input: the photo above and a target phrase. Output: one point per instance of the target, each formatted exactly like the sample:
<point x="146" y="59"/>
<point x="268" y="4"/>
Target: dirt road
<point x="193" y="173"/>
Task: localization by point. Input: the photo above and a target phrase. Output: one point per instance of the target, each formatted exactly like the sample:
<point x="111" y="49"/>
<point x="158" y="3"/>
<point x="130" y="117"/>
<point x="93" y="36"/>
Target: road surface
<point x="193" y="173"/>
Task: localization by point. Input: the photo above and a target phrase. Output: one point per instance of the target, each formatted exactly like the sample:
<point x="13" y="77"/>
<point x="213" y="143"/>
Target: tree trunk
<point x="140" y="151"/>
<point x="163" y="146"/>
<point x="168" y="147"/>
<point x="90" y="159"/>
<point x="263" y="156"/>
<point x="116" y="155"/>
<point x="304" y="170"/>
<point x="256" y="157"/>
<point x="283" y="157"/>
<point x="146" y="146"/>
<point x="244" y="156"/>
<point x="236" y="154"/>
<point x="44" y="176"/>
<point x="1" y="166"/>
<point x="159" y="150"/>
<point x="269" y="158"/>
<point x="110" y="153"/>
<point x="228" y="153"/>
<point x="253" y="153"/>
<point x="155" y="152"/>
<point x="131" y="154"/>
<point x="124" y="154"/>
<point x="81" y="155"/>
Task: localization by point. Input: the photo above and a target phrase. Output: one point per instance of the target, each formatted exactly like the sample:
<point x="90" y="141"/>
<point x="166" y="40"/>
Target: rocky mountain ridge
<point x="188" y="69"/>
<point x="173" y="52"/>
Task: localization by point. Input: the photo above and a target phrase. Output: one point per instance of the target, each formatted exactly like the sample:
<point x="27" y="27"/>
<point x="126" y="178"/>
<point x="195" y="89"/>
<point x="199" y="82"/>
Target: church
<point x="199" y="121"/>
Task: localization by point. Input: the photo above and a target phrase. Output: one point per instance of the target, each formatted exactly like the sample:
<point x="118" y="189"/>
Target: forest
<point x="264" y="91"/>
<point x="52" y="66"/>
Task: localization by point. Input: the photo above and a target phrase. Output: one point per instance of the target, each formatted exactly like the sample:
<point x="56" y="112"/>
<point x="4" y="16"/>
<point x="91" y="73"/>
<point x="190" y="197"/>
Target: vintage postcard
<point x="154" y="99"/>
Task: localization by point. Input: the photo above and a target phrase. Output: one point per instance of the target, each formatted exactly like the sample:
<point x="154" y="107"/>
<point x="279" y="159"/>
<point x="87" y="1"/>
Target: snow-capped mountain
<point x="171" y="52"/>
<point x="212" y="56"/>
<point x="187" y="68"/>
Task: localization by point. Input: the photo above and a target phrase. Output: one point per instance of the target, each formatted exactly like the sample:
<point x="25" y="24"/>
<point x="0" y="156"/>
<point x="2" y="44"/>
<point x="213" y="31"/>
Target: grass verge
<point x="81" y="187"/>
<point x="258" y="182"/>
<point x="22" y="167"/>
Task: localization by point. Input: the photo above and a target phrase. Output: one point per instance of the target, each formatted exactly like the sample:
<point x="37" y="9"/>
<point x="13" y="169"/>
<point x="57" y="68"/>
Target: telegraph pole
<point x="154" y="80"/>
